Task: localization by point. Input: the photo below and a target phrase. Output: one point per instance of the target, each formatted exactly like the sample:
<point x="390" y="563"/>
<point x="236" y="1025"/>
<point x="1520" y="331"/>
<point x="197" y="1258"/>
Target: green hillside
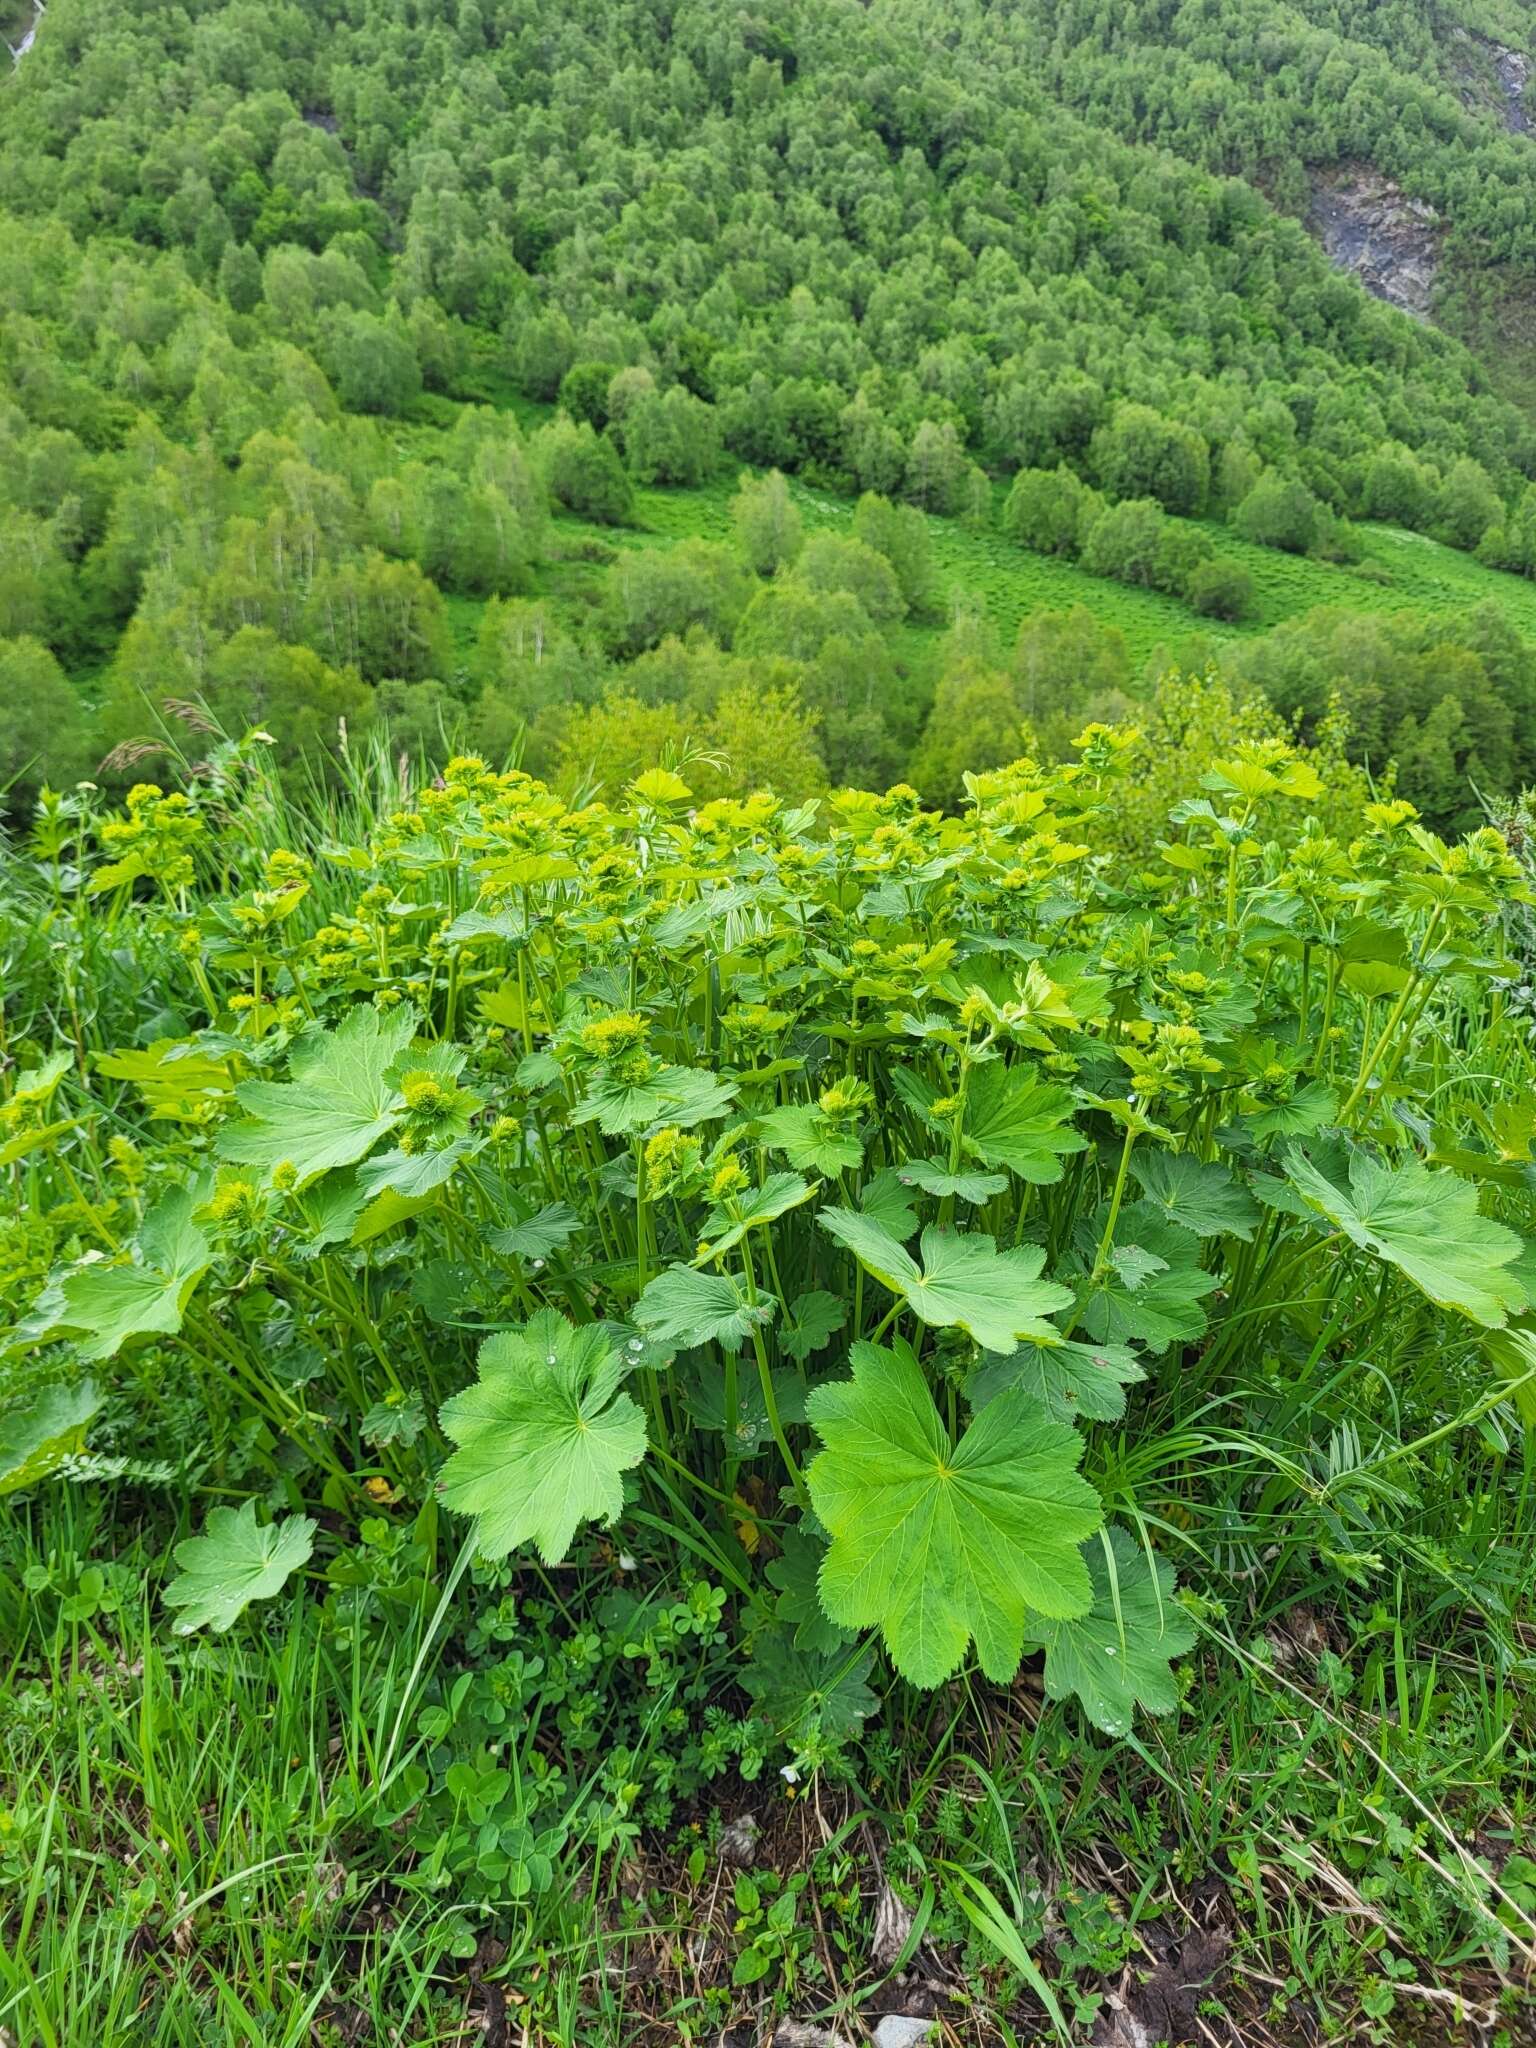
<point x="248" y="303"/>
<point x="1420" y="576"/>
<point x="767" y="978"/>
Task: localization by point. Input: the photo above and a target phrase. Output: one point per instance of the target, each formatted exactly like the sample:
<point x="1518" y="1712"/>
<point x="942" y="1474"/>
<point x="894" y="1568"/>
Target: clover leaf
<point x="235" y="1561"/>
<point x="936" y="1542"/>
<point x="544" y="1437"/>
<point x="964" y="1281"/>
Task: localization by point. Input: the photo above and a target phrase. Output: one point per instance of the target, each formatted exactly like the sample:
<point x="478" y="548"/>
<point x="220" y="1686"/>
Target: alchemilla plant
<point x="821" y="1196"/>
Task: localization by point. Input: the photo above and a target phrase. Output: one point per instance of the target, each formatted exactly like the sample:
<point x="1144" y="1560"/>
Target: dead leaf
<point x="893" y="1924"/>
<point x="1165" y="2006"/>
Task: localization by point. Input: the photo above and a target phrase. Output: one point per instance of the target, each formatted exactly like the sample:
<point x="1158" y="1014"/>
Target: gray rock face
<point x="1514" y="72"/>
<point x="19" y="50"/>
<point x="1490" y="78"/>
<point x="1370" y="226"/>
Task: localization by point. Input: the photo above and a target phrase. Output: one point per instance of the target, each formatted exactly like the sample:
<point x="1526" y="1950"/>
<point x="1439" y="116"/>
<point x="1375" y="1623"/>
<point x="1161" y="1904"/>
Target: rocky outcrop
<point x="19" y="49"/>
<point x="1370" y="226"/>
<point x="1514" y="71"/>
<point x="1491" y="78"/>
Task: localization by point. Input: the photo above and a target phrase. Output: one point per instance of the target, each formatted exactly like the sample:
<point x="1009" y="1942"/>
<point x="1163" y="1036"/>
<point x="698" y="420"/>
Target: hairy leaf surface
<point x="338" y="1102"/>
<point x="1426" y="1224"/>
<point x="1115" y="1657"/>
<point x="236" y="1560"/>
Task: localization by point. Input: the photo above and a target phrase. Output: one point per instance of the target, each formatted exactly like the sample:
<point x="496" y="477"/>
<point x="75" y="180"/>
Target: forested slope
<point x="1427" y="97"/>
<point x="258" y="269"/>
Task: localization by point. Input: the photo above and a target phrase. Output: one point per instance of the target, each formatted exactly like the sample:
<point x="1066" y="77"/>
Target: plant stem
<point x="1371" y="1059"/>
<point x="1106" y="1242"/>
<point x="765" y="1380"/>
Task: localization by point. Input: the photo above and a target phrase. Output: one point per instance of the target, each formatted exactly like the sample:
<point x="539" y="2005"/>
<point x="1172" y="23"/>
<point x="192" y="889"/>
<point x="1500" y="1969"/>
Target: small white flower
<point x="627" y="1563"/>
<point x="790" y="1773"/>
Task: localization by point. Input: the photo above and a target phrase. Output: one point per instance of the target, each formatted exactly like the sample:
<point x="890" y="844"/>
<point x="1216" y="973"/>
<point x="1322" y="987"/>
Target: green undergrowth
<point x="192" y="1848"/>
<point x="603" y="1403"/>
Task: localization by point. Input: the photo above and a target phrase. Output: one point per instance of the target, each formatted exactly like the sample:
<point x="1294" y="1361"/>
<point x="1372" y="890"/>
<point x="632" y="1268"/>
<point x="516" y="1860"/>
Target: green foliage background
<point x="249" y="296"/>
<point x="579" y="1283"/>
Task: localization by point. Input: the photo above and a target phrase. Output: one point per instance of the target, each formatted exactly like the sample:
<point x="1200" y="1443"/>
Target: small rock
<point x="796" y="2034"/>
<point x="896" y="2030"/>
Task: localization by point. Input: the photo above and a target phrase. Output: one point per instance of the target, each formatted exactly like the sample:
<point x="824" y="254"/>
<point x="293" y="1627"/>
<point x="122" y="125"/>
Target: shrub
<point x="1128" y="542"/>
<point x="1279" y="512"/>
<point x="1141" y="454"/>
<point x="671" y="437"/>
<point x="42" y="727"/>
<point x="1048" y="510"/>
<point x="900" y="533"/>
<point x="1182" y="551"/>
<point x="582" y="472"/>
<point x="1220" y="589"/>
<point x="832" y="562"/>
<point x="649" y="593"/>
<point x="584" y="392"/>
<point x="975" y="724"/>
<point x="768" y="528"/>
